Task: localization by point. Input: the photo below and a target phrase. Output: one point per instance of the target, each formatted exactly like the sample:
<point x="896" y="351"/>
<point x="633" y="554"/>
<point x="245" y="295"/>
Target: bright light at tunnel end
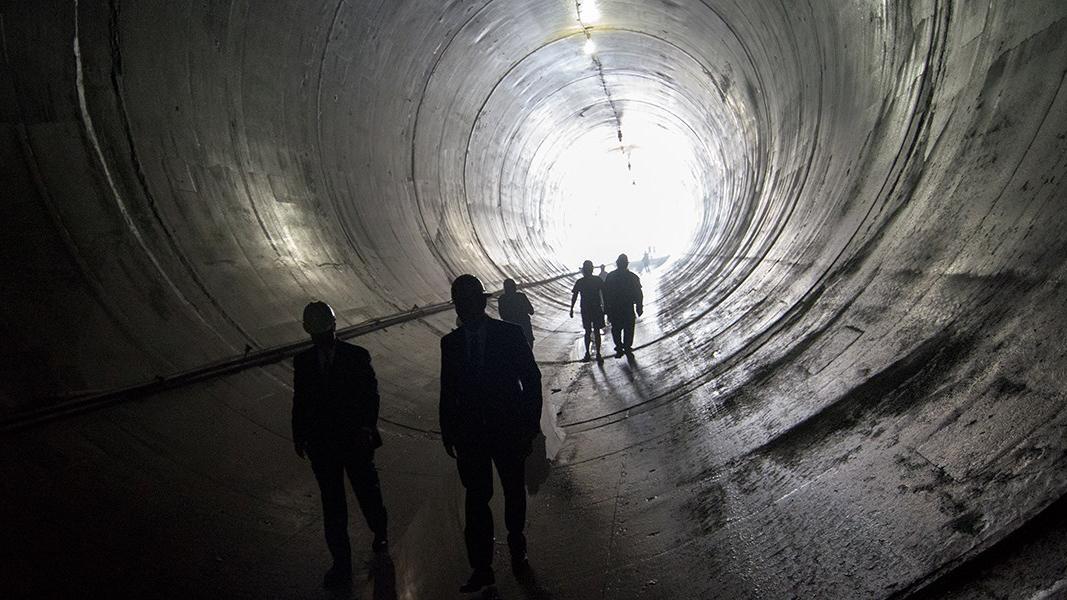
<point x="588" y="12"/>
<point x="628" y="198"/>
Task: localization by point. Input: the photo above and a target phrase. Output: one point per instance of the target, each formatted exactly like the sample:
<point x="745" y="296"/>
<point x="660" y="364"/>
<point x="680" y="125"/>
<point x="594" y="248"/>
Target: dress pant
<point x="622" y="329"/>
<point x="330" y="467"/>
<point x="475" y="466"/>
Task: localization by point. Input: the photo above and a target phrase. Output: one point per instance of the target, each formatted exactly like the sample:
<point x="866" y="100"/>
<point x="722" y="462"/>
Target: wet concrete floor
<point x="663" y="482"/>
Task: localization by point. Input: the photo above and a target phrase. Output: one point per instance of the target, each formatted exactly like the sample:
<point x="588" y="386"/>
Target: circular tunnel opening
<point x="630" y="149"/>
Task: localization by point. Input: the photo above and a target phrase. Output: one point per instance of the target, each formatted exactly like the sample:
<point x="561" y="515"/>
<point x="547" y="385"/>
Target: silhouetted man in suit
<point x="622" y="293"/>
<point x="515" y="308"/>
<point x="335" y="423"/>
<point x="490" y="413"/>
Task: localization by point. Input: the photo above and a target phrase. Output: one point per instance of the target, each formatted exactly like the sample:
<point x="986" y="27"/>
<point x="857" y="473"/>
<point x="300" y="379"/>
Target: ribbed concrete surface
<point x="851" y="384"/>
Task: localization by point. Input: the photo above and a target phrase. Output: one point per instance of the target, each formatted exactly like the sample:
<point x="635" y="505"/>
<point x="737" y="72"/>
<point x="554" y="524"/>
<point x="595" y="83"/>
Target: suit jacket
<point x="330" y="408"/>
<point x="497" y="402"/>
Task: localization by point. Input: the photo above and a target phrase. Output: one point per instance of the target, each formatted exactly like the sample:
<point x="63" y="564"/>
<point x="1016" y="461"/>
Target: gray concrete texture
<point x="851" y="386"/>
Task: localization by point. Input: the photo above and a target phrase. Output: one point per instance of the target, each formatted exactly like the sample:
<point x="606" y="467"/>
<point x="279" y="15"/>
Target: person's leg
<point x="476" y="474"/>
<point x="511" y="467"/>
<point x="628" y="332"/>
<point x="587" y="325"/>
<point x="329" y="471"/>
<point x="596" y="334"/>
<point x="365" y="483"/>
<point x="616" y="332"/>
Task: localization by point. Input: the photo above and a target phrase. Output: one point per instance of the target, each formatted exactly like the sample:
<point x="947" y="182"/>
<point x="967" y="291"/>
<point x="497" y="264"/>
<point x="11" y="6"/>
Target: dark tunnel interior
<point x="848" y="381"/>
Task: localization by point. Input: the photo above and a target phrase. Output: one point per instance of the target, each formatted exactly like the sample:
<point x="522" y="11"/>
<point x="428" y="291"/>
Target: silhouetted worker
<point x="644" y="262"/>
<point x="490" y="413"/>
<point x="603" y="274"/>
<point x="590" y="288"/>
<point x="515" y="308"/>
<point x="622" y="294"/>
<point x="335" y="423"/>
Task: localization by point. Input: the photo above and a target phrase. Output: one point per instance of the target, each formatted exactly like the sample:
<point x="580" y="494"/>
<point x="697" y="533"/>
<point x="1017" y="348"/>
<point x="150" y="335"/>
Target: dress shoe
<point x="480" y="578"/>
<point x="520" y="565"/>
<point x="380" y="543"/>
<point x="337" y="576"/>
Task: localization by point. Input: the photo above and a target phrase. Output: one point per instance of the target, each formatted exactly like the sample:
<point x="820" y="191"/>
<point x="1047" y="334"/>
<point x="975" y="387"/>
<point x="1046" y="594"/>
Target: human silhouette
<point x="515" y="308"/>
<point x="590" y="288"/>
<point x="490" y="413"/>
<point x="622" y="294"/>
<point x="644" y="262"/>
<point x="335" y="424"/>
<point x="603" y="274"/>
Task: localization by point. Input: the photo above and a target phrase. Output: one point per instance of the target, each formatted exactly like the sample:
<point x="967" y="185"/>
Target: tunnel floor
<point x="662" y="485"/>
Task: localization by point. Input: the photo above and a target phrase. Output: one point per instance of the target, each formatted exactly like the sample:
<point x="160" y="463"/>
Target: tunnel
<point x="847" y="380"/>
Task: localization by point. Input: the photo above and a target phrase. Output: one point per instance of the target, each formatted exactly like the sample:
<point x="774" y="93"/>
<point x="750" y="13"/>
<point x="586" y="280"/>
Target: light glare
<point x="588" y="12"/>
<point x="606" y="208"/>
<point x="590" y="47"/>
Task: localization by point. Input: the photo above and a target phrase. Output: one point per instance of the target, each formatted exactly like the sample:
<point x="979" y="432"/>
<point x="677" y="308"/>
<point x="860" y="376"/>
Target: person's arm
<point x="529" y="307"/>
<point x="530" y="377"/>
<point x="369" y="400"/>
<point x="300" y="409"/>
<point x="605" y="291"/>
<point x="574" y="298"/>
<point x="639" y="296"/>
<point x="447" y="406"/>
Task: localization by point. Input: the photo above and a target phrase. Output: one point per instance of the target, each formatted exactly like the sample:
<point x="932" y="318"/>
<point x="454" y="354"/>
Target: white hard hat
<point x="318" y="318"/>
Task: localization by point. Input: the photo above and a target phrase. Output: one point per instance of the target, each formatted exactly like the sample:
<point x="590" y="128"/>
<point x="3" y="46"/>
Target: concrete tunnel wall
<point x="875" y="286"/>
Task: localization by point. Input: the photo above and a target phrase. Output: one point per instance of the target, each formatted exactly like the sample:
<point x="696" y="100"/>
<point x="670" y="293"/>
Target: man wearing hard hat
<point x="490" y="414"/>
<point x="335" y="424"/>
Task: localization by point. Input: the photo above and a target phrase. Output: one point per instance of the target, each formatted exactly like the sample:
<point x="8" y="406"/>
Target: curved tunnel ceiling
<point x="855" y="361"/>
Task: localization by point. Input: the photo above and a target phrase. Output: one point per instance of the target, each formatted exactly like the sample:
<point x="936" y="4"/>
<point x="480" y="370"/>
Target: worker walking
<point x="515" y="308"/>
<point x="335" y="424"/>
<point x="490" y="413"/>
<point x="590" y="288"/>
<point x="622" y="295"/>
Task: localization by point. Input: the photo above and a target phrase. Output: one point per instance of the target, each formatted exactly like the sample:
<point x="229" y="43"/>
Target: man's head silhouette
<point x="622" y="262"/>
<point x="320" y="322"/>
<point x="587" y="267"/>
<point x="469" y="297"/>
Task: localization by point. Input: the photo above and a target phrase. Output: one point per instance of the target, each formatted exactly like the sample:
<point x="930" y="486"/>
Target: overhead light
<point x="589" y="47"/>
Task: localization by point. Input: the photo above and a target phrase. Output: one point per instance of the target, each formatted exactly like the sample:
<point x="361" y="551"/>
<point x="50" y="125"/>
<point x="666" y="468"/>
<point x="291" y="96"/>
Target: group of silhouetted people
<point x="490" y="411"/>
<point x="617" y="296"/>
